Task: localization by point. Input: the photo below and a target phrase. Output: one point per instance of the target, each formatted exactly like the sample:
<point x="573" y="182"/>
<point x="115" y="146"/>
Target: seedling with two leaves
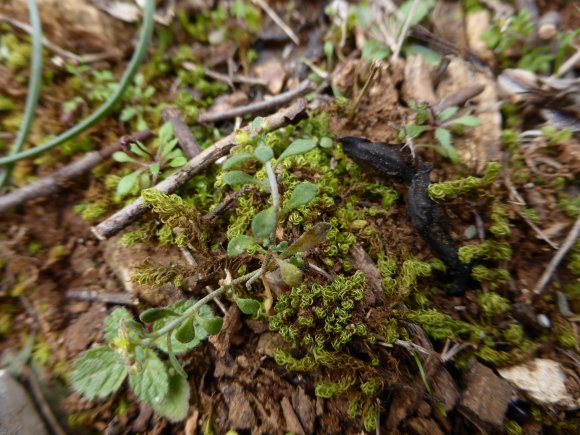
<point x="151" y="165"/>
<point x="441" y="123"/>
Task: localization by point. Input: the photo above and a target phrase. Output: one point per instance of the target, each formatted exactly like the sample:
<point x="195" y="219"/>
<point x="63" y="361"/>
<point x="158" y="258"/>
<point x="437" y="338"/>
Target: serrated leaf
<point x="302" y="194"/>
<point x="155" y="168"/>
<point x="299" y="146"/>
<point x="175" y="405"/>
<point x="212" y="326"/>
<point x="236" y="159"/>
<point x="178" y="162"/>
<point x="166" y="132"/>
<point x="264" y="153"/>
<point x="185" y="333"/>
<point x="414" y="130"/>
<point x="122" y="157"/>
<point x="310" y="239"/>
<point x="239" y="244"/>
<point x="291" y="274"/>
<point x="467" y="120"/>
<point x="98" y="372"/>
<point x="200" y="333"/>
<point x="149" y="379"/>
<point x="234" y="178"/>
<point x="264" y="223"/>
<point x="127" y="182"/>
<point x="447" y="113"/>
<point x="153" y="314"/>
<point x="114" y="322"/>
<point x="248" y="306"/>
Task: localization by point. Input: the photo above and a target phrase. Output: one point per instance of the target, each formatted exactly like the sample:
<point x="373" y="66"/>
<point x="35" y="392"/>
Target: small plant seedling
<point x="441" y="124"/>
<point x="151" y="166"/>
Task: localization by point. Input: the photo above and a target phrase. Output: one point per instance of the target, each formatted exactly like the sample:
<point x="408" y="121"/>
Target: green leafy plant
<point x="441" y="124"/>
<point x="151" y="166"/>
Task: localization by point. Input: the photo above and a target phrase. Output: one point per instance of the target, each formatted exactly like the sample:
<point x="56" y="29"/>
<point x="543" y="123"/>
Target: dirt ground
<point x="58" y="282"/>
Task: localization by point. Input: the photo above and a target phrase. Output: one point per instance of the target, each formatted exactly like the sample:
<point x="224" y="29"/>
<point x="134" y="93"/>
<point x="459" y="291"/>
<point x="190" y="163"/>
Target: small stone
<point x="544" y="321"/>
<point x="17" y="412"/>
<point x="486" y="398"/>
<point x="240" y="413"/>
<point x="470" y="232"/>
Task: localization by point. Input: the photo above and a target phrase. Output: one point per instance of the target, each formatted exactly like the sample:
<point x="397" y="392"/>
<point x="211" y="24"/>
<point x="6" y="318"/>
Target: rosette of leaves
<point x="442" y="124"/>
<point x="132" y="353"/>
<point x="151" y="165"/>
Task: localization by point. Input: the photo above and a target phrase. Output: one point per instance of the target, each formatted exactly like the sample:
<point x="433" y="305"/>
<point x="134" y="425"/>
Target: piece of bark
<point x="422" y="426"/>
<point x="293" y="424"/>
<point x="240" y="413"/>
<point x="304" y="406"/>
<point x="486" y="398"/>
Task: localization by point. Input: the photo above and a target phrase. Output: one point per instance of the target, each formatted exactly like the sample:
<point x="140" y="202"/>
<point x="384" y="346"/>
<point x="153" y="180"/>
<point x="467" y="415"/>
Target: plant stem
<point x="275" y="197"/>
<point x="33" y="89"/>
<point x="101" y="112"/>
<point x="193" y="310"/>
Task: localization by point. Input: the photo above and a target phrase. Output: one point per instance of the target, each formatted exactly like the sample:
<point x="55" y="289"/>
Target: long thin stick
<point x="58" y="180"/>
<point x="261" y="106"/>
<point x="272" y="13"/>
<point x="404" y="31"/>
<point x="570" y="240"/>
<point x="124" y="217"/>
<point x="33" y="89"/>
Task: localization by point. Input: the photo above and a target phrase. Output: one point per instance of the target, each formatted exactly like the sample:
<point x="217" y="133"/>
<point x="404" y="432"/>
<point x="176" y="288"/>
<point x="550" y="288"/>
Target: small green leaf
<point x="122" y="157"/>
<point x="99" y="372"/>
<point x="291" y="274"/>
<point x="150" y="380"/>
<point x="168" y="148"/>
<point x="467" y="120"/>
<point x="154" y="169"/>
<point x="178" y="162"/>
<point x="414" y="130"/>
<point x="139" y="149"/>
<point x="239" y="244"/>
<point x="212" y="326"/>
<point x="447" y="113"/>
<point x="443" y="136"/>
<point x="302" y="194"/>
<point x="234" y="178"/>
<point x="175" y="405"/>
<point x="248" y="306"/>
<point x="264" y="223"/>
<point x="326" y="142"/>
<point x="299" y="146"/>
<point x="127" y="113"/>
<point x="185" y="333"/>
<point x="236" y="159"/>
<point x="310" y="239"/>
<point x="114" y="322"/>
<point x="153" y="314"/>
<point x="166" y="132"/>
<point x="257" y="123"/>
<point x="127" y="183"/>
<point x="264" y="153"/>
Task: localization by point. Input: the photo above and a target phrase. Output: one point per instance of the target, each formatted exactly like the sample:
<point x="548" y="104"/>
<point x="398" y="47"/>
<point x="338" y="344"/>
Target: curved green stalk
<point x="34" y="83"/>
<point x="101" y="112"/>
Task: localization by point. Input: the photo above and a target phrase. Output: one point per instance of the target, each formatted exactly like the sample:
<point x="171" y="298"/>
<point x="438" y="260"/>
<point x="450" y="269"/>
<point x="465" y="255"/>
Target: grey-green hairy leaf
<point x="264" y="223"/>
<point x="302" y="194"/>
<point x="185" y="333"/>
<point x="236" y="159"/>
<point x="153" y="314"/>
<point x="98" y="372"/>
<point x="447" y="113"/>
<point x="314" y="236"/>
<point x="115" y="321"/>
<point x="149" y="379"/>
<point x="248" y="306"/>
<point x="264" y="153"/>
<point x="122" y="157"/>
<point x="212" y="326"/>
<point x="299" y="146"/>
<point x="234" y="178"/>
<point x="239" y="244"/>
<point x="175" y="405"/>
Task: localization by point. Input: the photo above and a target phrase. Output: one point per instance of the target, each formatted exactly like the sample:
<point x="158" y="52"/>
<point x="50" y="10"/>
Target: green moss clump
<point x="492" y="303"/>
<point x="499" y="220"/>
<point x="156" y="274"/>
<point x="573" y="259"/>
<point x="492" y="276"/>
<point x="91" y="211"/>
<point x="565" y="334"/>
<point x="514" y="334"/>
<point x="513" y="428"/>
<point x="488" y="250"/>
<point x="438" y="325"/>
<point x="464" y="186"/>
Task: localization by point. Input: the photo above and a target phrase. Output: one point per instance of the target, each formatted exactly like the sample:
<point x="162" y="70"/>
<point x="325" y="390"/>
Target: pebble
<point x="544" y="321"/>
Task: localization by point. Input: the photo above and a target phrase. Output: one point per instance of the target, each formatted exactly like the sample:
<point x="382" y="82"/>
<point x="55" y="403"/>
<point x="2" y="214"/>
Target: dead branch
<point x="570" y="240"/>
<point x="96" y="295"/>
<point x="181" y="131"/>
<point x="261" y="106"/>
<point x="124" y="217"/>
<point x="57" y="181"/>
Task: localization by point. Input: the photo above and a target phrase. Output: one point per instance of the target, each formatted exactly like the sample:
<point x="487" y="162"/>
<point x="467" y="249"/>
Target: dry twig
<point x="272" y="14"/>
<point x="95" y="294"/>
<point x="181" y="131"/>
<point x="261" y="106"/>
<point x="58" y="180"/>
<point x="124" y="217"/>
<point x="570" y="240"/>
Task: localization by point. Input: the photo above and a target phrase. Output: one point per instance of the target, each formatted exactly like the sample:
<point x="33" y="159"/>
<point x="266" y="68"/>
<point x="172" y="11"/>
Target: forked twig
<point x="125" y="216"/>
